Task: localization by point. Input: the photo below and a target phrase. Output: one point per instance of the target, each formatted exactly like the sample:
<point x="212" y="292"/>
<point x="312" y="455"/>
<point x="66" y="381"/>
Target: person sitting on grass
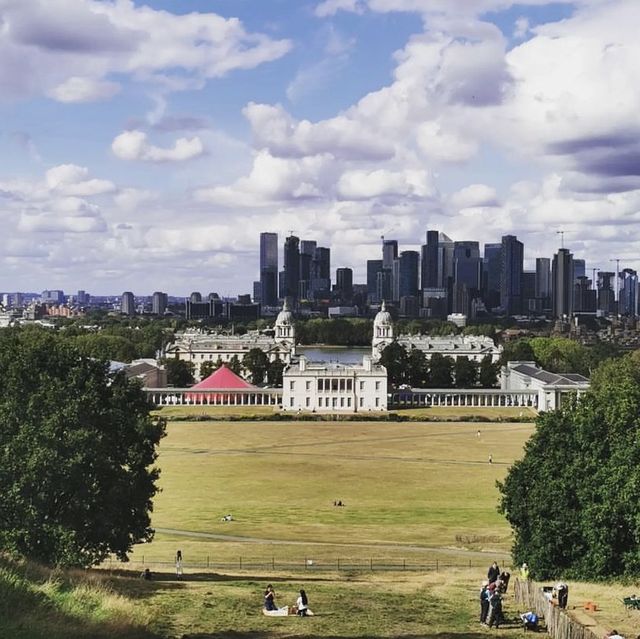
<point x="530" y="621"/>
<point x="270" y="598"/>
<point x="613" y="635"/>
<point x="302" y="604"/>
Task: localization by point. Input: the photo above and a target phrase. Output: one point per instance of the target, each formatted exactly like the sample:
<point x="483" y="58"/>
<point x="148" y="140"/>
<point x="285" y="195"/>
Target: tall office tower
<point x="373" y="268"/>
<point x="321" y="272"/>
<point x="491" y="275"/>
<point x="257" y="291"/>
<point x="628" y="299"/>
<point x="584" y="297"/>
<point x="606" y="298"/>
<point x="268" y="269"/>
<point x="127" y="304"/>
<point x="384" y="284"/>
<point x="307" y="253"/>
<point x="52" y="297"/>
<point x="467" y="266"/>
<point x="395" y="280"/>
<point x="445" y="260"/>
<point x="344" y="284"/>
<point x="159" y="303"/>
<point x="82" y="297"/>
<point x="543" y="278"/>
<point x="195" y="297"/>
<point x="409" y="266"/>
<point x="529" y="292"/>
<point x="579" y="269"/>
<point x="389" y="253"/>
<point x="562" y="284"/>
<point x="429" y="270"/>
<point x="511" y="267"/>
<point x="291" y="267"/>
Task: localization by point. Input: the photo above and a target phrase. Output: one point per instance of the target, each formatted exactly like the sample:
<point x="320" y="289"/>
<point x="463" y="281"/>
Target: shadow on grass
<point x="259" y="634"/>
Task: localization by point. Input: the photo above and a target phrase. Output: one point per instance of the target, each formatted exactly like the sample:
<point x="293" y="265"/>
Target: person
<point x="562" y="592"/>
<point x="491" y="459"/>
<point x="524" y="571"/>
<point x="495" y="609"/>
<point x="179" y="564"/>
<point x="493" y="573"/>
<point x="302" y="604"/>
<point x="530" y="620"/>
<point x="146" y="574"/>
<point x="484" y="602"/>
<point x="270" y="598"/>
<point x="613" y="635"/>
<point x="504" y="580"/>
<point x="478" y="433"/>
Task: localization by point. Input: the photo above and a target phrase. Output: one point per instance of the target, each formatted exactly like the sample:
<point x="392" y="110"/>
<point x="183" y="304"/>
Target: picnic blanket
<point x="285" y="611"/>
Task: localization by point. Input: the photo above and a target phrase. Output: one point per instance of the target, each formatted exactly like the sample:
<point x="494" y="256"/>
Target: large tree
<point x="465" y="372"/>
<point x="179" y="372"/>
<point x="572" y="500"/>
<point x="395" y="359"/>
<point x="257" y="363"/>
<point x="77" y="447"/>
<point x="440" y="371"/>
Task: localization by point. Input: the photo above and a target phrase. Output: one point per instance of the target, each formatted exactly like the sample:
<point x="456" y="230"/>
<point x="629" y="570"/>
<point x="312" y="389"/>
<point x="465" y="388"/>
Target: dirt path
<point x="283" y="542"/>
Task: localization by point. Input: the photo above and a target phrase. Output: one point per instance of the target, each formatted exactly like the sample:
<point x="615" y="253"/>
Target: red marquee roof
<point x="223" y="378"/>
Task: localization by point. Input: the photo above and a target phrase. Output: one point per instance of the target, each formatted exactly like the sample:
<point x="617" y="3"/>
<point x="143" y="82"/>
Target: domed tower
<point x="382" y="332"/>
<point x="285" y="330"/>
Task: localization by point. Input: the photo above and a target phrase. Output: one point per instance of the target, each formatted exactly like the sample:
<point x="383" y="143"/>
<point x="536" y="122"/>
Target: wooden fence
<point x="559" y="624"/>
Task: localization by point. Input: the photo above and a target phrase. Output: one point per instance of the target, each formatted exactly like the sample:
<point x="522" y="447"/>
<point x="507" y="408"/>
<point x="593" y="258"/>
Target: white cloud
<point x="70" y="179"/>
<point x="522" y="28"/>
<point x="362" y="185"/>
<point x="78" y="89"/>
<point x="130" y="199"/>
<point x="69" y="49"/>
<point x="331" y="7"/>
<point x="475" y="195"/>
<point x="133" y="145"/>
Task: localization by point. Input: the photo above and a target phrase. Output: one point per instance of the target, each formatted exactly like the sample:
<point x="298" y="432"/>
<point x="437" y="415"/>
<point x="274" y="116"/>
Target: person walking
<point x="493" y="573"/>
<point x="495" y="610"/>
<point x="484" y="602"/>
<point x="179" y="564"/>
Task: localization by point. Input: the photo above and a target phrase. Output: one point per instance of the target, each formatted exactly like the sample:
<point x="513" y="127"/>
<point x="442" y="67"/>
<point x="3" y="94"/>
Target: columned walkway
<point x="478" y="398"/>
<point x="214" y="397"/>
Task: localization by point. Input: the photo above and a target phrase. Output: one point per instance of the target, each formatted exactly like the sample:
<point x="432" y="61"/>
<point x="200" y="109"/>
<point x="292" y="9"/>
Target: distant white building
<point x="475" y="347"/>
<point x="333" y="387"/>
<point x="202" y="347"/>
<point x="551" y="387"/>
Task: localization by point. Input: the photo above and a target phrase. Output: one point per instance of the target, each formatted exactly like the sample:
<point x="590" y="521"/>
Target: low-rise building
<point x="333" y="387"/>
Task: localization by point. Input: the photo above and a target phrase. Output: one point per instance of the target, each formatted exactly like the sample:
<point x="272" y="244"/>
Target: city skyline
<point x="143" y="142"/>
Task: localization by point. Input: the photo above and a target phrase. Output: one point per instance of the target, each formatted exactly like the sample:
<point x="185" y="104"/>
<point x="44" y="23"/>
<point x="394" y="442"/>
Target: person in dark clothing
<point x="495" y="610"/>
<point x="484" y="602"/>
<point x="562" y="591"/>
<point x="494" y="572"/>
<point x="270" y="598"/>
<point x="504" y="580"/>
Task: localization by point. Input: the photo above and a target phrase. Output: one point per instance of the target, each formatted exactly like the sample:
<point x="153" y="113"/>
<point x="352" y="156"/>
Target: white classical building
<point x="475" y="347"/>
<point x="203" y="347"/>
<point x="551" y="388"/>
<point x="333" y="387"/>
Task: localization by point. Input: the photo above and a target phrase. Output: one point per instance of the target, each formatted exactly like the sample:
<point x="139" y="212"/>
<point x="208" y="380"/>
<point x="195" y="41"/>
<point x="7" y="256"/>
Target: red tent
<point x="222" y="379"/>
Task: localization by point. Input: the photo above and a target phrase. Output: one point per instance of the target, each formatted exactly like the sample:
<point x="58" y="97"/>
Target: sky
<point x="144" y="145"/>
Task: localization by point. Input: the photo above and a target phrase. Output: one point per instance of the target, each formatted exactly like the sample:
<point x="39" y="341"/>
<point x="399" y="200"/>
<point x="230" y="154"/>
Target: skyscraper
<point x="511" y="266"/>
<point x="467" y="265"/>
<point x="429" y="272"/>
<point x="543" y="278"/>
<point x="269" y="269"/>
<point x="562" y="284"/>
<point x="291" y="266"/>
<point x="373" y="268"/>
<point x="491" y="274"/>
<point x="344" y="284"/>
<point x="628" y="300"/>
<point x="389" y="253"/>
<point x="321" y="272"/>
<point x="409" y="263"/>
<point x="127" y="304"/>
<point x="159" y="303"/>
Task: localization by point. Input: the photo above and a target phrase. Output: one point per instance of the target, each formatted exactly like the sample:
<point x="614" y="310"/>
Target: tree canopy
<point x="77" y="447"/>
<point x="572" y="500"/>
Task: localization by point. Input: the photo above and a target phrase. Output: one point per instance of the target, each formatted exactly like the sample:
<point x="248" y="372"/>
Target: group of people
<point x="301" y="607"/>
<point x="491" y="592"/>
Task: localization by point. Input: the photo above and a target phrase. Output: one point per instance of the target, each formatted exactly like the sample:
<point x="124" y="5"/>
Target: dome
<point x="383" y="318"/>
<point x="285" y="317"/>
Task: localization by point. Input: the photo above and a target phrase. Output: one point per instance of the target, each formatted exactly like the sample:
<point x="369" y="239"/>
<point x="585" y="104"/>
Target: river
<point x="344" y="355"/>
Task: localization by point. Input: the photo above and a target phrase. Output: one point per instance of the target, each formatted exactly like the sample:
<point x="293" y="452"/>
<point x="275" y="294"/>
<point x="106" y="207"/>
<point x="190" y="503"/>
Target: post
<point x="240" y="563"/>
<point x="273" y="563"/>
<point x="371" y="563"/>
<point x="143" y="560"/>
<point x="338" y="563"/>
<point x="207" y="561"/>
<point x="436" y="565"/>
<point x="404" y="564"/>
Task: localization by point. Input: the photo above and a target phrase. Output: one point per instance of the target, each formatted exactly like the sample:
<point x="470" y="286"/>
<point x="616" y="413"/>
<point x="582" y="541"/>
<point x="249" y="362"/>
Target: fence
<point x="294" y="565"/>
<point x="559" y="624"/>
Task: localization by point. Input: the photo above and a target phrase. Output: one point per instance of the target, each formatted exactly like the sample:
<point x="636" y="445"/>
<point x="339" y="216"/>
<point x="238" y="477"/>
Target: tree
<point x="256" y="362"/>
<point x="572" y="500"/>
<point x="207" y="368"/>
<point x="179" y="372"/>
<point x="465" y="372"/>
<point x="440" y="371"/>
<point x="518" y="350"/>
<point x="235" y="365"/>
<point x="395" y="359"/>
<point x="77" y="445"/>
<point x="274" y="372"/>
<point x="488" y="373"/>
<point x="417" y="368"/>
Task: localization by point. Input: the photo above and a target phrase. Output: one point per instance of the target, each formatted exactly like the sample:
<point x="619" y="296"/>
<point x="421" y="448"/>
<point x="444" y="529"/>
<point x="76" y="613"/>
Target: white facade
<point x="202" y="347"/>
<point x="330" y="387"/>
<point x="475" y="347"/>
<point x="551" y="387"/>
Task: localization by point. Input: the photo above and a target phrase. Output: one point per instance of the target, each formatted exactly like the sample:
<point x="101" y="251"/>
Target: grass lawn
<point x="493" y="413"/>
<point x="413" y="491"/>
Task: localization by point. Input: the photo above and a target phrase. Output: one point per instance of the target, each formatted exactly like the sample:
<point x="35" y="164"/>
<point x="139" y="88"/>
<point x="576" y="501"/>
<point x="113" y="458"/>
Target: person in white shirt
<point x="302" y="604"/>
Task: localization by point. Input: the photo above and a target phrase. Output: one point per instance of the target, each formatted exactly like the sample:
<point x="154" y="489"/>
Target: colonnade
<point x="457" y="397"/>
<point x="186" y="397"/>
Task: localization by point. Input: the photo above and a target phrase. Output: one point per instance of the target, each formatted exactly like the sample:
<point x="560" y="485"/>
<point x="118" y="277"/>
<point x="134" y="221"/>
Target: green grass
<point x="471" y="413"/>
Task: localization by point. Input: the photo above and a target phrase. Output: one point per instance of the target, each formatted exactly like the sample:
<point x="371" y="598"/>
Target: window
<point x="342" y="402"/>
<point x="377" y="385"/>
<point x="292" y="385"/>
<point x="308" y="385"/>
<point x="361" y="402"/>
<point x="348" y="402"/>
<point x="349" y="384"/>
<point x="320" y="384"/>
<point x="291" y="402"/>
<point x="335" y="402"/>
<point x="307" y="402"/>
<point x="343" y="384"/>
<point x="377" y="402"/>
<point x="361" y="385"/>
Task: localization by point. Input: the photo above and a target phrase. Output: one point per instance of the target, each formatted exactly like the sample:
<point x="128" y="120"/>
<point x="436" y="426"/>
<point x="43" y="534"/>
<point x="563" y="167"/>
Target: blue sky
<point x="145" y="145"/>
